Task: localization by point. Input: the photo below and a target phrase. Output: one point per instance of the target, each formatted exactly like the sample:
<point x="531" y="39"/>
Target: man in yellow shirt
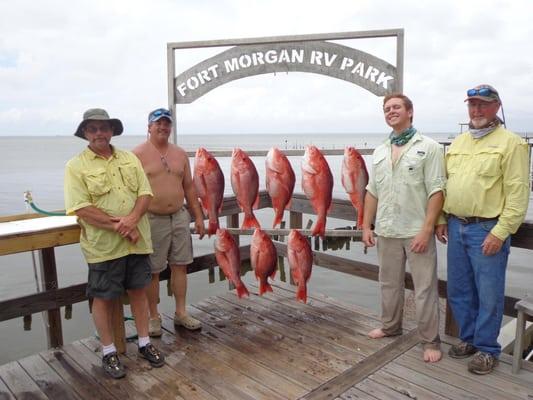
<point x="487" y="195"/>
<point x="109" y="192"/>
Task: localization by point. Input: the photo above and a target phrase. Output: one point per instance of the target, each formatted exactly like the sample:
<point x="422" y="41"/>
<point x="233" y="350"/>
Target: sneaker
<point x="113" y="366"/>
<point x="154" y="327"/>
<point x="187" y="322"/>
<point x="482" y="363"/>
<point x="461" y="350"/>
<point x="153" y="355"/>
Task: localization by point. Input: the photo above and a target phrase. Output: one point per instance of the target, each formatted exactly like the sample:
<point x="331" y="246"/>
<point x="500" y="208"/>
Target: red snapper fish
<point x="264" y="258"/>
<point x="317" y="184"/>
<point x="354" y="177"/>
<point x="245" y="184"/>
<point x="209" y="183"/>
<point x="280" y="181"/>
<point x="301" y="261"/>
<point x="229" y="260"/>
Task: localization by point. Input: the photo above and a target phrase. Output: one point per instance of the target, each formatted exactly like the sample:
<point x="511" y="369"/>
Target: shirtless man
<point x="167" y="168"/>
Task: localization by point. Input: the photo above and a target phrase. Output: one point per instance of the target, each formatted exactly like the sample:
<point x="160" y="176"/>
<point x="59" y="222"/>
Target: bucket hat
<point x="98" y="114"/>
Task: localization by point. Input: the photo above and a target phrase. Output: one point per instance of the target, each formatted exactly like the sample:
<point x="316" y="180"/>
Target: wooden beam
<point x="49" y="282"/>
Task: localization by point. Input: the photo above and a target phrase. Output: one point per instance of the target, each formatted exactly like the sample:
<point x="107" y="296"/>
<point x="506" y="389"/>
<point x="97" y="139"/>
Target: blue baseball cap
<point x="159" y="113"/>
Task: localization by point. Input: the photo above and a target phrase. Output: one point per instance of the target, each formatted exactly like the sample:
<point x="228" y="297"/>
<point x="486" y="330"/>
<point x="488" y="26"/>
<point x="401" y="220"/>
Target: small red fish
<point x="354" y="177"/>
<point x="280" y="181"/>
<point x="245" y="184"/>
<point x="209" y="183"/>
<point x="301" y="262"/>
<point x="317" y="184"/>
<point x="229" y="260"/>
<point x="264" y="258"/>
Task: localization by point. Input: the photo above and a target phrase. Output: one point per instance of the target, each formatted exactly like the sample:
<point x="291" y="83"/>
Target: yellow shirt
<point x="112" y="185"/>
<point x="403" y="189"/>
<point x="489" y="177"/>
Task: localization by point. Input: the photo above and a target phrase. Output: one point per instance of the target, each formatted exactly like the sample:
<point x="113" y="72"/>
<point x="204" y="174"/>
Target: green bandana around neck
<point x="402" y="138"/>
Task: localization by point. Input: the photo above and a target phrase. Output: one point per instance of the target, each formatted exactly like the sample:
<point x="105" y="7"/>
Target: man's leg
<point x="462" y="291"/>
<point x="178" y="281"/>
<point x="101" y="310"/>
<point x="139" y="309"/>
<point x="424" y="272"/>
<point x="391" y="278"/>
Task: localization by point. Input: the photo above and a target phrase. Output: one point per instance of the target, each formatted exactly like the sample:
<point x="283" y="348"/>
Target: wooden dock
<point x="269" y="347"/>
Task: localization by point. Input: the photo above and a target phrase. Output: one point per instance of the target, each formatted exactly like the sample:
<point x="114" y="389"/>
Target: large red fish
<point x="209" y="183"/>
<point x="354" y="177"/>
<point x="245" y="184"/>
<point x="317" y="184"/>
<point x="229" y="260"/>
<point x="280" y="181"/>
<point x="301" y="261"/>
<point x="264" y="258"/>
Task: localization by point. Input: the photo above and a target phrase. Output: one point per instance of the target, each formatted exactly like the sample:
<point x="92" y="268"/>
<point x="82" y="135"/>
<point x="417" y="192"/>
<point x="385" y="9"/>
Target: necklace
<point x="163" y="157"/>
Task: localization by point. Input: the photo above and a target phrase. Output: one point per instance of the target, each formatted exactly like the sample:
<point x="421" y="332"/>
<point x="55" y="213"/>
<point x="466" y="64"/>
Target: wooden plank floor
<point x="269" y="347"/>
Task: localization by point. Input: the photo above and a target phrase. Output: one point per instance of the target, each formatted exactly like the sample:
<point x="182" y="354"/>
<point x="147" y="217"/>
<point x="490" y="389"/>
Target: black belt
<point x="473" y="220"/>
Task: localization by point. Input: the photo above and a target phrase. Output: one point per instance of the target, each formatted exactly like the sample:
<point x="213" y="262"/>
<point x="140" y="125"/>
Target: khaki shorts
<point x="171" y="239"/>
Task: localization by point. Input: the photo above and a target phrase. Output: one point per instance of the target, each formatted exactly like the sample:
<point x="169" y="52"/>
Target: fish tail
<point x="301" y="292"/>
<point x="264" y="287"/>
<point x="278" y="218"/>
<point x="212" y="228"/>
<point x="242" y="290"/>
<point x="250" y="221"/>
<point x="320" y="227"/>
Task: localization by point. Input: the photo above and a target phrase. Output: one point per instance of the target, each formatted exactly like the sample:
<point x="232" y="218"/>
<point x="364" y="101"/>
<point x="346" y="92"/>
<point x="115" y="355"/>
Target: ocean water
<point x="37" y="163"/>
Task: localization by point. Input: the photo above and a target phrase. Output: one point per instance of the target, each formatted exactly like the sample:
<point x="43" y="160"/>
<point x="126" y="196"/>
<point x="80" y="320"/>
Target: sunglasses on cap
<point x="158" y="114"/>
<point x="485" y="92"/>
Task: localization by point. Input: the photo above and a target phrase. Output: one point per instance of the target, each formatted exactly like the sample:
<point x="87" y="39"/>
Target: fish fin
<point x="277" y="218"/>
<point x="255" y="206"/>
<point x="264" y="287"/>
<point x="301" y="292"/>
<point x="250" y="222"/>
<point x="289" y="204"/>
<point x="242" y="290"/>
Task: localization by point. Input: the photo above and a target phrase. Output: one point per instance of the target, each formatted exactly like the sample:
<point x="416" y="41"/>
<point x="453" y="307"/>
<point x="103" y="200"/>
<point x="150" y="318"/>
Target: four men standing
<point x="487" y="194"/>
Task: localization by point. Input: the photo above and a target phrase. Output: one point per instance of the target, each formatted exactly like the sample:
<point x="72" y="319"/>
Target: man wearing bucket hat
<point x="487" y="195"/>
<point x="168" y="170"/>
<point x="108" y="191"/>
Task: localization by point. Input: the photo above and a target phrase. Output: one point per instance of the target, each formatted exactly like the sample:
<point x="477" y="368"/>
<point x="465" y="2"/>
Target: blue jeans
<point x="476" y="284"/>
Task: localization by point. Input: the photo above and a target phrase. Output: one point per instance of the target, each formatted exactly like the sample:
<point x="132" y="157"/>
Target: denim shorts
<point x="109" y="279"/>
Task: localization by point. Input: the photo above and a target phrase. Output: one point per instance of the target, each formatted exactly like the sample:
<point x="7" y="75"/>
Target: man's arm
<point x="125" y="225"/>
<point x="192" y="200"/>
<point x="433" y="209"/>
<point x="96" y="217"/>
<point x="369" y="214"/>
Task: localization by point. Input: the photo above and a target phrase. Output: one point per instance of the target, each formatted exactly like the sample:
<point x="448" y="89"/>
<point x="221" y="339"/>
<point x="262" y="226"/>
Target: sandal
<point x="187" y="322"/>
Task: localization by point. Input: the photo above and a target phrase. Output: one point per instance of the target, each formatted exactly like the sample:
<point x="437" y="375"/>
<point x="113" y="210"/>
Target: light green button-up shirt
<point x="403" y="189"/>
<point x="112" y="185"/>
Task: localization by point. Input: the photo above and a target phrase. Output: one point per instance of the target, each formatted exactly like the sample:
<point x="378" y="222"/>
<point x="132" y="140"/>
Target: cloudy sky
<point x="58" y="58"/>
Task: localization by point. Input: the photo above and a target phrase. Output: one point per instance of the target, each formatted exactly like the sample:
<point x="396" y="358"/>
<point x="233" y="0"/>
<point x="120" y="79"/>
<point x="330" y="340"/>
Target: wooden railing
<point x="53" y="297"/>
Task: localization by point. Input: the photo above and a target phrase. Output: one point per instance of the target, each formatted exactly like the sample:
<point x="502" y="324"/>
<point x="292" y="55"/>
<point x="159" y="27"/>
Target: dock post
<point x="54" y="331"/>
<point x="232" y="221"/>
<point x="450" y="326"/>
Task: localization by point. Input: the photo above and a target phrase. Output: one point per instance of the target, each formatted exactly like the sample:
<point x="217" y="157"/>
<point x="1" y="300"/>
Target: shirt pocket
<point x="379" y="166"/>
<point x="488" y="163"/>
<point x="97" y="182"/>
<point x="129" y="176"/>
<point x="454" y="162"/>
<point x="413" y="168"/>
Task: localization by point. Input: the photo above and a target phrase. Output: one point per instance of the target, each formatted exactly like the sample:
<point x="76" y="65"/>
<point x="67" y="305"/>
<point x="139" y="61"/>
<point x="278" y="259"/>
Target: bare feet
<point x="432" y="355"/>
<point x="376" y="334"/>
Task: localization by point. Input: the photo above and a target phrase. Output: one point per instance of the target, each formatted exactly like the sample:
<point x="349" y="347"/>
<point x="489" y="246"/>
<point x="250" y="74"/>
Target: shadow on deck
<point x="269" y="347"/>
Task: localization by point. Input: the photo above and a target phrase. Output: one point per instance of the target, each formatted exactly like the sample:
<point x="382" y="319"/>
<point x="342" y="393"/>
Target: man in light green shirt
<point x="109" y="192"/>
<point x="487" y="195"/>
<point x="404" y="197"/>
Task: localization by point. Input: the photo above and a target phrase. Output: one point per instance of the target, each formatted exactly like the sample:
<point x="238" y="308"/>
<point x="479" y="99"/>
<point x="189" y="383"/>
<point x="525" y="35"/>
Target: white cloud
<point x="59" y="58"/>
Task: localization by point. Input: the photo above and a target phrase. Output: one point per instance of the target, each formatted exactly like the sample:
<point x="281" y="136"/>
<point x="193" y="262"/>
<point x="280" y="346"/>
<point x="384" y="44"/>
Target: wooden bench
<point x="524" y="307"/>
